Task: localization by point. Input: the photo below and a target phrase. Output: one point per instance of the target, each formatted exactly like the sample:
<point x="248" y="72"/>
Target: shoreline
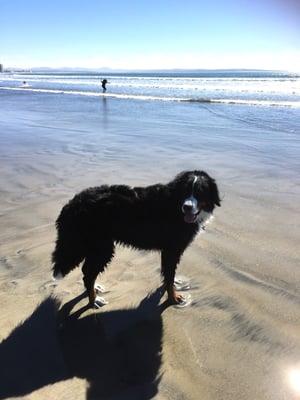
<point x="201" y="100"/>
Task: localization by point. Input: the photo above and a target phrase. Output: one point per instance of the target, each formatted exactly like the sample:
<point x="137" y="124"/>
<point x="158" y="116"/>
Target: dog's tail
<point x="69" y="249"/>
<point x="65" y="257"/>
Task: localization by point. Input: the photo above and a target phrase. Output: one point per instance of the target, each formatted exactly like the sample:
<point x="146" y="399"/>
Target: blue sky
<point x="151" y="34"/>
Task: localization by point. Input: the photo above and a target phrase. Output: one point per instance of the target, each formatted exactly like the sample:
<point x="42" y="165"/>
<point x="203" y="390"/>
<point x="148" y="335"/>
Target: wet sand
<point x="240" y="337"/>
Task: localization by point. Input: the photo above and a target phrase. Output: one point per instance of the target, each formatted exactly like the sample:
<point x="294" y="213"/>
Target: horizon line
<point x="108" y="69"/>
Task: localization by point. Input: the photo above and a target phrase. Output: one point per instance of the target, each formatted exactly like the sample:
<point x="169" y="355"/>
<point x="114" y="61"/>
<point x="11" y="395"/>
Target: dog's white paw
<point x="186" y="301"/>
<point x="99" y="302"/>
<point x="99" y="288"/>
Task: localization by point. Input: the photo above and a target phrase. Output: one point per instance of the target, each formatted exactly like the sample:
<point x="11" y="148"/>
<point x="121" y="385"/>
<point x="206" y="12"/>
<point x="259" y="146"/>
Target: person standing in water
<point x="103" y="84"/>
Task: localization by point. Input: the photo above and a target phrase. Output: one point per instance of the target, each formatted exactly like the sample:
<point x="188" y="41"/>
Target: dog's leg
<point x="95" y="262"/>
<point x="169" y="261"/>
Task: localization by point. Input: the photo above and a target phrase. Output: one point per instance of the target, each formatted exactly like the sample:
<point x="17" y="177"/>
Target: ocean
<point x="270" y="99"/>
<point x="180" y="113"/>
<point x="240" y="87"/>
<point x="254" y="116"/>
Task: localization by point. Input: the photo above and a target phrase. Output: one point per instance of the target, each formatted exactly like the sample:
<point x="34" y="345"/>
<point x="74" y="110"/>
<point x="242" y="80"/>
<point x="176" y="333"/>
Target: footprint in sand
<point x="49" y="285"/>
<point x="7" y="264"/>
<point x="8" y="286"/>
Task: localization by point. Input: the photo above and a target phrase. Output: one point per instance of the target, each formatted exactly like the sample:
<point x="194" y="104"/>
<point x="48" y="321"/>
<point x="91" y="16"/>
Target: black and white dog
<point x="158" y="217"/>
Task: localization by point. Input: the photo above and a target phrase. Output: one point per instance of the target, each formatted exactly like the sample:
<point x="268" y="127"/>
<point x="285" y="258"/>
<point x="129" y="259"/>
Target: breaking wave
<point x="141" y="97"/>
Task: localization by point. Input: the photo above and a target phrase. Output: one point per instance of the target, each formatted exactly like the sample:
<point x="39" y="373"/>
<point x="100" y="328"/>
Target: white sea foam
<point x="268" y="86"/>
<point x="254" y="102"/>
<point x="266" y="103"/>
<point x="95" y="94"/>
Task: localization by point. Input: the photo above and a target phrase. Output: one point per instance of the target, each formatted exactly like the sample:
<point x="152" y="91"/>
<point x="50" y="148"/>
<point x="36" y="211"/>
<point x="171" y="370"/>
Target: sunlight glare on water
<point x="293" y="376"/>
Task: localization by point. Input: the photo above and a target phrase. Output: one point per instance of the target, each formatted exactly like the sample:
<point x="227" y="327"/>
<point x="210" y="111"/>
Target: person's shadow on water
<point x="117" y="352"/>
<point x="104" y="111"/>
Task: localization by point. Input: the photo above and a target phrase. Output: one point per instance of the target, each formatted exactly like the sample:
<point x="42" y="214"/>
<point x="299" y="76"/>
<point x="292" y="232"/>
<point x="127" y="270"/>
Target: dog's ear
<point x="214" y="192"/>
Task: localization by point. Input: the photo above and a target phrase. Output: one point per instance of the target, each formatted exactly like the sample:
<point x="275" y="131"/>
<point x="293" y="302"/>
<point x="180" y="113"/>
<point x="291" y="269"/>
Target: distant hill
<point x="226" y="73"/>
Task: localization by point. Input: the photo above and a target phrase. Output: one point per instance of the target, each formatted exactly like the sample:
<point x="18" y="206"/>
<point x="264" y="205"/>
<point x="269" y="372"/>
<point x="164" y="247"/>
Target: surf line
<point x="95" y="94"/>
<point x="267" y="103"/>
<point x="111" y="95"/>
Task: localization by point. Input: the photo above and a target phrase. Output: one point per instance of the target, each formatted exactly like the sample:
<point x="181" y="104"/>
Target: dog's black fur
<point x="148" y="218"/>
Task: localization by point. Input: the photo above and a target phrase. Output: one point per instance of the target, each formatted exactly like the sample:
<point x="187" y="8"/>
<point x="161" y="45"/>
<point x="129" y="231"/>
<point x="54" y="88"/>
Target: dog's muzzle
<point x="190" y="210"/>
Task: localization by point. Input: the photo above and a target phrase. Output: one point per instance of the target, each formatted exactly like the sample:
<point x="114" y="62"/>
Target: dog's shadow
<point x="117" y="352"/>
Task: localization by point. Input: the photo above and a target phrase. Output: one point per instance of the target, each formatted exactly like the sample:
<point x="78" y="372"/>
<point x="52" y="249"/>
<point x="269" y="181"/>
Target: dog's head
<point x="198" y="195"/>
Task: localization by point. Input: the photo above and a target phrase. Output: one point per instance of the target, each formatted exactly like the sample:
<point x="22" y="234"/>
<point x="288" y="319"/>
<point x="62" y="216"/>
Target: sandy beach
<point x="240" y="337"/>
